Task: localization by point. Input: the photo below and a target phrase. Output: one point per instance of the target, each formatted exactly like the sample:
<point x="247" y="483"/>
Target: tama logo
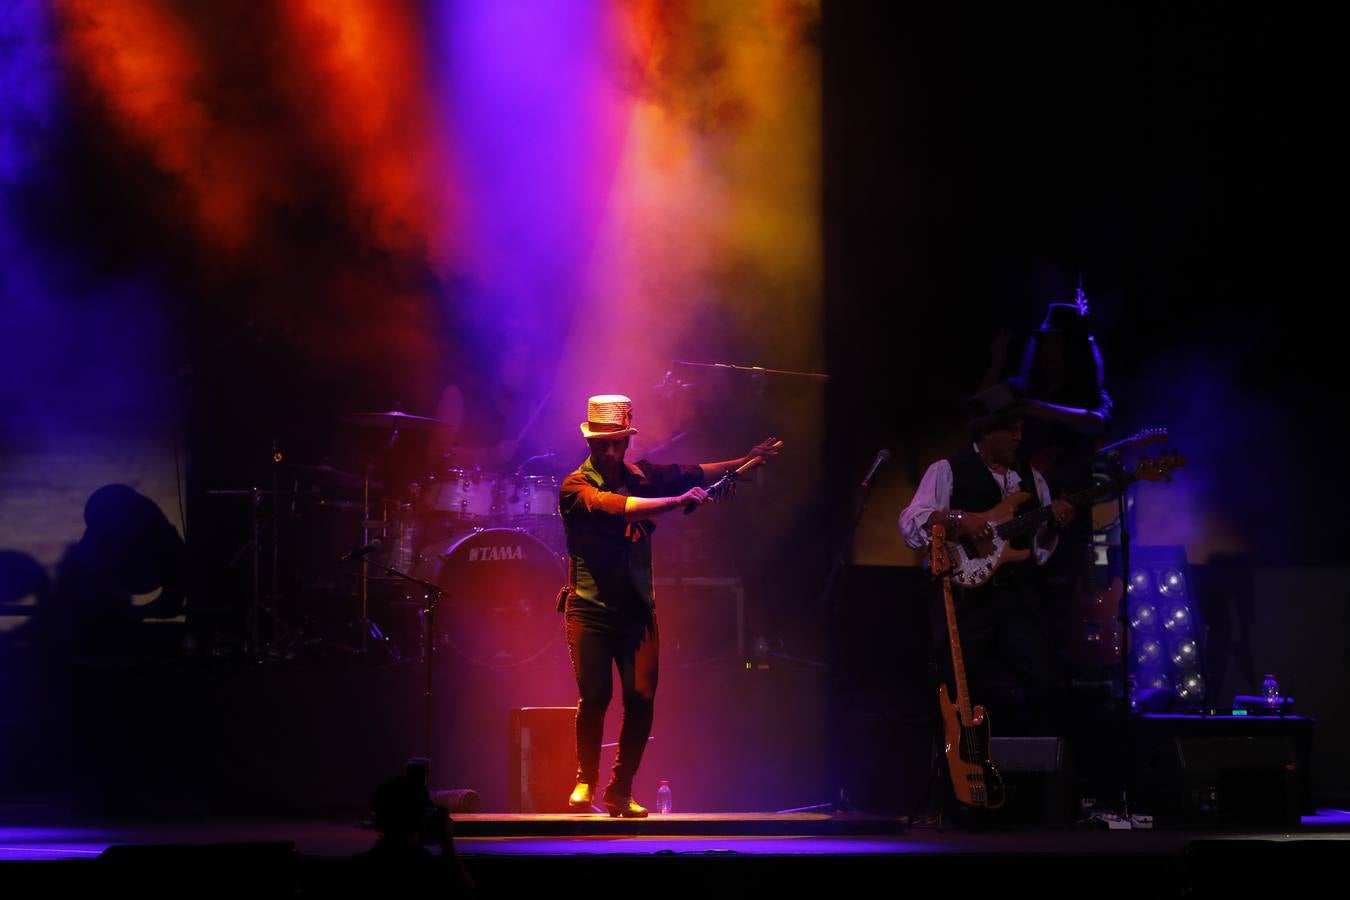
<point x="484" y="554"/>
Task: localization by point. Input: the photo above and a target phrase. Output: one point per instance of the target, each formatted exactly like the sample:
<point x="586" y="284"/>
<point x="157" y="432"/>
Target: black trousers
<point x="598" y="643"/>
<point x="1011" y="666"/>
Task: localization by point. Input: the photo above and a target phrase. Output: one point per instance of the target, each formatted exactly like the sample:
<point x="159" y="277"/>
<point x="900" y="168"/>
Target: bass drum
<point x="501" y="592"/>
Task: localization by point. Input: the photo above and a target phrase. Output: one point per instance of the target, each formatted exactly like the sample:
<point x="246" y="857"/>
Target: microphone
<point x="882" y="456"/>
<point x="360" y="552"/>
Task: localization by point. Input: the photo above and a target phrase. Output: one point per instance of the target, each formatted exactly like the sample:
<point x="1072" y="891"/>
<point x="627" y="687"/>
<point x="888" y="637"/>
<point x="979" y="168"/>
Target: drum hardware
<point x="260" y="605"/>
<point x="433" y="596"/>
<point x="393" y="419"/>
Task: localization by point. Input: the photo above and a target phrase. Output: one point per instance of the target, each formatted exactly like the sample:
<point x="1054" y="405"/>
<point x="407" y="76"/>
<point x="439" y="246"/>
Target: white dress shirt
<point x="935" y="493"/>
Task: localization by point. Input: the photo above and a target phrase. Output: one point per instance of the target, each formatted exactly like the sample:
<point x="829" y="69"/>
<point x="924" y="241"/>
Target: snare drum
<point x="467" y="494"/>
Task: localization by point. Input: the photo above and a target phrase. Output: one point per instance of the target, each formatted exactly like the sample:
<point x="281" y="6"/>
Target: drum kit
<point x="489" y="544"/>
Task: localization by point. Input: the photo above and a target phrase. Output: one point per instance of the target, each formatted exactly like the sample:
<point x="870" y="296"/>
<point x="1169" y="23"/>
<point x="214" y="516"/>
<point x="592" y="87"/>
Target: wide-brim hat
<point x="608" y="416"/>
<point x="995" y="406"/>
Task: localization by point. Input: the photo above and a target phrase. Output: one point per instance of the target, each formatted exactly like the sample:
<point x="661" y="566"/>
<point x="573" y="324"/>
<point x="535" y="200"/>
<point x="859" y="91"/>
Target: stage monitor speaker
<point x="702" y="620"/>
<point x="543" y="763"/>
<point x="1036" y="776"/>
<point x="1226" y="782"/>
<point x="1027" y="754"/>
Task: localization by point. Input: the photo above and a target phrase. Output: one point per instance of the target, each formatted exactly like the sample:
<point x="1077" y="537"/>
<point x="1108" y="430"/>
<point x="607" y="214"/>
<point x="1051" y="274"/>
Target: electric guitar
<point x="1096" y="639"/>
<point x="976" y="558"/>
<point x="965" y="729"/>
<point x="1105" y="510"/>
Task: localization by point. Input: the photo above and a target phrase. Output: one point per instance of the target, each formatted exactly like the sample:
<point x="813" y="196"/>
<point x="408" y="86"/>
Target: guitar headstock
<point x="1159" y="468"/>
<point x="941" y="561"/>
<point x="1146" y="436"/>
<point x="1141" y="438"/>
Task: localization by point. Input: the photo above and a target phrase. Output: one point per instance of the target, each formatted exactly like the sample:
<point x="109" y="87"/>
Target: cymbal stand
<point x="255" y="592"/>
<point x="369" y="628"/>
<point x="258" y="605"/>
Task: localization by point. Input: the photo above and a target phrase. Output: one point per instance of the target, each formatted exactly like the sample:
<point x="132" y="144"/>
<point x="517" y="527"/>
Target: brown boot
<point x="621" y="805"/>
<point x="583" y="797"/>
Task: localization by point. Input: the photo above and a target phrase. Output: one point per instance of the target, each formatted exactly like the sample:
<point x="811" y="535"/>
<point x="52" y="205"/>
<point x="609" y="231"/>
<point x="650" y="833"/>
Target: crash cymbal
<point x="320" y="478"/>
<point x="246" y="492"/>
<point x="392" y="419"/>
<point x="326" y="473"/>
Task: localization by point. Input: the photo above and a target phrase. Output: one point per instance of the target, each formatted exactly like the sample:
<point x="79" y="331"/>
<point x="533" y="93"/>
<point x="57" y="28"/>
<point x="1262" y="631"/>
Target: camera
<point x="432" y="825"/>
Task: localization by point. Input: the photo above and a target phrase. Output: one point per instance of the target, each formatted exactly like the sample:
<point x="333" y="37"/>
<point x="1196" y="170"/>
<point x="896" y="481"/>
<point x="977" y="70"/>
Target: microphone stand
<point x="1124" y="719"/>
<point x="753" y="370"/>
<point x="520" y="469"/>
<point x="434" y="593"/>
<point x="1123" y="619"/>
<point x="864" y="493"/>
<point x="668" y="443"/>
<point x="827" y="602"/>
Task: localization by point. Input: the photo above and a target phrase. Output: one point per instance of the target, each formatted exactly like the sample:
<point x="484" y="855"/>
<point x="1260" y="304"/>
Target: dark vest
<point x="975" y="489"/>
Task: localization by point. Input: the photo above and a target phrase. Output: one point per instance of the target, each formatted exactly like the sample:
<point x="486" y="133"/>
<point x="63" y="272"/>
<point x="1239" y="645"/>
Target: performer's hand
<point x="998" y="347"/>
<point x="976" y="525"/>
<point x="695" y="495"/>
<point x="1062" y="510"/>
<point x="770" y="446"/>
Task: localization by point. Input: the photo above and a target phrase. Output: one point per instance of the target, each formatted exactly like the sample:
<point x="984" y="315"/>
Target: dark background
<point x="1186" y="161"/>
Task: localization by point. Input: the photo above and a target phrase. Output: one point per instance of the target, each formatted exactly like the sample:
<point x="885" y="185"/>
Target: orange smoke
<point x="358" y="71"/>
<point x="146" y="68"/>
<point x="714" y="210"/>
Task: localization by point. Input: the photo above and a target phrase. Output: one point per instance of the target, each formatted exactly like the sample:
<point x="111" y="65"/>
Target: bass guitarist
<point x="1003" y="622"/>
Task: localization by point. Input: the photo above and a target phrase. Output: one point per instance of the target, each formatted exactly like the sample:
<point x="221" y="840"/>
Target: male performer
<point x="607" y="506"/>
<point x="1004" y="628"/>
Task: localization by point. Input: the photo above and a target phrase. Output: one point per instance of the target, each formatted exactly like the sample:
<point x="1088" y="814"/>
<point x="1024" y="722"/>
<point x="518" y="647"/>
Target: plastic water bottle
<point x="663" y="799"/>
<point x="1270" y="689"/>
<point x="1132" y="692"/>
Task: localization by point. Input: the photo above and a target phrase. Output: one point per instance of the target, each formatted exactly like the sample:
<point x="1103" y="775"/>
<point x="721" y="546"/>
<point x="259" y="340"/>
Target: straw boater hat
<point x="608" y="416"/>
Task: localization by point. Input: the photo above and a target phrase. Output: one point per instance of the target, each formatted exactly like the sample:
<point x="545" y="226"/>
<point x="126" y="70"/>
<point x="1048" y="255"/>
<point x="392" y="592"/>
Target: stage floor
<point x="690" y="855"/>
<point x="723" y="833"/>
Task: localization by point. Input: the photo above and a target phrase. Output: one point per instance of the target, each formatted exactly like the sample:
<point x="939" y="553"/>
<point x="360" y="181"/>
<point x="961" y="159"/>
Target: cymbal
<point x="393" y="419"/>
<point x="247" y="492"/>
<point x="325" y="472"/>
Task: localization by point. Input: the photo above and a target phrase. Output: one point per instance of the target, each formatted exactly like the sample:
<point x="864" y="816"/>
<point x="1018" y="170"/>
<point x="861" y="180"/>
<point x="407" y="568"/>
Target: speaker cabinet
<point x="1222" y="782"/>
<point x="1217" y="773"/>
<point x="1035" y="774"/>
<point x="702" y="620"/>
<point x="543" y="759"/>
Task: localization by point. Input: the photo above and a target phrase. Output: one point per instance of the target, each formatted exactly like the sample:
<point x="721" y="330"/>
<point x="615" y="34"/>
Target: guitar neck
<point x="958" y="661"/>
<point x="1041" y="514"/>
